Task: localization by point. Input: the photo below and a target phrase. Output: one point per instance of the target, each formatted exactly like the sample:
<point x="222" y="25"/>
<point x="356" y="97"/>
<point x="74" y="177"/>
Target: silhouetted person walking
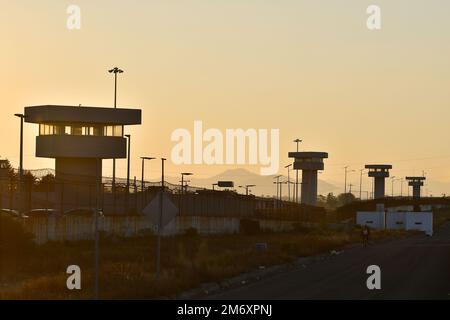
<point x="365" y="234"/>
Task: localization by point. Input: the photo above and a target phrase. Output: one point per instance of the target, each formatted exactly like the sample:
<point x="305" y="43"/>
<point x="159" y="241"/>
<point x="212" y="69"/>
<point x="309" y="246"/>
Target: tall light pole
<point x="297" y="141"/>
<point x="278" y="186"/>
<point x="158" y="248"/>
<point x="21" y="116"/>
<point x="142" y="178"/>
<point x="289" y="181"/>
<point x="116" y="71"/>
<point x="360" y="183"/>
<point x="96" y="236"/>
<point x="128" y="171"/>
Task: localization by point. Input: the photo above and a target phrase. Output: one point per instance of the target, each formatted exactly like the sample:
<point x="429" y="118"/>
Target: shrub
<point x="191" y="232"/>
<point x="16" y="244"/>
<point x="250" y="227"/>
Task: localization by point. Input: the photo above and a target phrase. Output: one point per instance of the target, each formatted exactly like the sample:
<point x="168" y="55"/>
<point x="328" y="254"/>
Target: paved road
<point x="414" y="268"/>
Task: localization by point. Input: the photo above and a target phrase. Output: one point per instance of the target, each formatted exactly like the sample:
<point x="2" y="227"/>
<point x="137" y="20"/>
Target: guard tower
<point x="309" y="163"/>
<point x="416" y="183"/>
<point x="77" y="138"/>
<point x="379" y="172"/>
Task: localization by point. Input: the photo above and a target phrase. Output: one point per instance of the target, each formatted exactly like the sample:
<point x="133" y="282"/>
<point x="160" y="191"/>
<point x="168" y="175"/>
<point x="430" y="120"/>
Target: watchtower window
<point x="77" y="131"/>
<point x="113" y="131"/>
<point x="46" y="129"/>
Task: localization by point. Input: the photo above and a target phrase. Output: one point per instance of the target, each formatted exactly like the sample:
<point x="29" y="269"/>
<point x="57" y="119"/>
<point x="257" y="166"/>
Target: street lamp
<point x="360" y="183"/>
<point x="246" y="187"/>
<point x="21" y="116"/>
<point x="161" y="210"/>
<point x="115" y="70"/>
<point x="128" y="170"/>
<point x="142" y="178"/>
<point x="183" y="174"/>
<point x="297" y="141"/>
<point x="249" y="186"/>
<point x="289" y="181"/>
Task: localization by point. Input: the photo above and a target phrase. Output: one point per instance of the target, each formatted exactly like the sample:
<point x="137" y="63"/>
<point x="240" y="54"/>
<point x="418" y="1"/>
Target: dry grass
<point x="128" y="265"/>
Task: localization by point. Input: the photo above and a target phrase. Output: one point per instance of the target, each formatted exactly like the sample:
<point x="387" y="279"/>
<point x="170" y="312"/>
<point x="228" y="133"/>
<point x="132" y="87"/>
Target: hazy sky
<point x="308" y="67"/>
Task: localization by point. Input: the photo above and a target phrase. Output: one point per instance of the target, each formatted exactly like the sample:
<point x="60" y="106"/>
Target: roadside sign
<point x="152" y="210"/>
<point x="225" y="184"/>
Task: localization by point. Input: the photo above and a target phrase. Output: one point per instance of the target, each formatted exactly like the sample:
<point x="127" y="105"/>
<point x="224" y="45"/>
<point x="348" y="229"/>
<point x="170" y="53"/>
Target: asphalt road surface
<point x="417" y="267"/>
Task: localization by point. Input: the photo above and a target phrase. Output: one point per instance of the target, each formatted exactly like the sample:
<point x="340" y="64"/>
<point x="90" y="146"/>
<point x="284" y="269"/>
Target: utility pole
<point x="345" y="179"/>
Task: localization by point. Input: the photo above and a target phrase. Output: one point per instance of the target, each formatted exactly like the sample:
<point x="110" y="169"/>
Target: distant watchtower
<point x="416" y="183"/>
<point x="76" y="137"/>
<point x="309" y="163"/>
<point x="379" y="172"/>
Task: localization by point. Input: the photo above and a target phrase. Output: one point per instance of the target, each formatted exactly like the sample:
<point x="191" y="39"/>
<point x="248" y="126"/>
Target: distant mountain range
<point x="264" y="184"/>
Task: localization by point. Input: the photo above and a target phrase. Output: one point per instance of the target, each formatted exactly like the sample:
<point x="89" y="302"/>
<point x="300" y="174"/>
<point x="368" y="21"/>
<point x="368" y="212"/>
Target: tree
<point x="329" y="201"/>
<point x="345" y="198"/>
<point x="46" y="183"/>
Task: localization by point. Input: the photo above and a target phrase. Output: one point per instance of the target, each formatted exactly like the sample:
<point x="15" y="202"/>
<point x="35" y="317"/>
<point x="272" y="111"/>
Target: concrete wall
<point x="395" y="220"/>
<point x="73" y="228"/>
<point x="421" y="221"/>
<point x="372" y="219"/>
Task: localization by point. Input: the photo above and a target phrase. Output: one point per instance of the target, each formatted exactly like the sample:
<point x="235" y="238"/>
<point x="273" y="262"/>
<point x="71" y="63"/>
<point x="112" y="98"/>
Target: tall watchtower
<point x="379" y="172"/>
<point x="309" y="163"/>
<point x="77" y="138"/>
<point x="416" y="183"/>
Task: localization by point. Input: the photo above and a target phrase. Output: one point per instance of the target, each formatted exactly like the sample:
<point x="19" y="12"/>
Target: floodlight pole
<point x="158" y="249"/>
<point x="115" y="70"/>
